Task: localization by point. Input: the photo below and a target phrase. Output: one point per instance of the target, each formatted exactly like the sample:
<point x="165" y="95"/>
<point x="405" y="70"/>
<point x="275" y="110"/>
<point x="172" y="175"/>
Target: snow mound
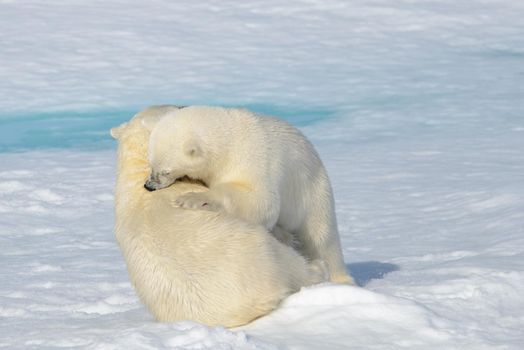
<point x="358" y="316"/>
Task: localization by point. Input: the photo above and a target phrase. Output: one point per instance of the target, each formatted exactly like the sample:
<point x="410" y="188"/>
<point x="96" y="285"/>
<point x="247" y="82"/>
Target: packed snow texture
<point x="423" y="139"/>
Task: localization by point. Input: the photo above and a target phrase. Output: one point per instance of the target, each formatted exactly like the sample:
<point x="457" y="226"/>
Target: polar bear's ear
<point x="192" y="148"/>
<point x="116" y="132"/>
<point x="150" y="122"/>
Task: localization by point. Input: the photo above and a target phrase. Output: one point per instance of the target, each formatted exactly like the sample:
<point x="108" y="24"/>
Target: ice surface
<point x="416" y="107"/>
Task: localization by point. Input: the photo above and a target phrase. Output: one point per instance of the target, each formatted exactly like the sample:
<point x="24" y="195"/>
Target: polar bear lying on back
<point x="195" y="264"/>
<point x="258" y="168"/>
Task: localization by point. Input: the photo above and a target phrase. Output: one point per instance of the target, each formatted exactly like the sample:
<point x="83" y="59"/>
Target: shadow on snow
<point x="365" y="271"/>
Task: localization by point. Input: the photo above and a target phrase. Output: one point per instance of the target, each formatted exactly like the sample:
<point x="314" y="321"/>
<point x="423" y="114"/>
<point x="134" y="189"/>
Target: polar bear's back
<point x="207" y="266"/>
<point x="289" y="145"/>
<point x="284" y="160"/>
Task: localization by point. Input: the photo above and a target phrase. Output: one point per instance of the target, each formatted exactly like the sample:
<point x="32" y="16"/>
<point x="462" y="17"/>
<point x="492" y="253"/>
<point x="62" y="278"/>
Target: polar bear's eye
<point x="165" y="172"/>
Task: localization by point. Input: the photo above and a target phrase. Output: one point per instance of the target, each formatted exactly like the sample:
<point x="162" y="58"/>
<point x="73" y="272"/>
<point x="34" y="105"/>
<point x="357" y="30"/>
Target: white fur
<point x="258" y="168"/>
<point x="191" y="264"/>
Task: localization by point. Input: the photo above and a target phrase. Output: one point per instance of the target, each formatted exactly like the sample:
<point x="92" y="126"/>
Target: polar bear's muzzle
<point x="148" y="186"/>
<point x="157" y="181"/>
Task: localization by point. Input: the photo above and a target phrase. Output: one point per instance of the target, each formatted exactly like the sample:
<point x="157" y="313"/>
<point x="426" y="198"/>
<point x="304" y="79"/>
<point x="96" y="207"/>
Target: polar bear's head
<point x="176" y="149"/>
<point x="142" y="121"/>
<point x="133" y="136"/>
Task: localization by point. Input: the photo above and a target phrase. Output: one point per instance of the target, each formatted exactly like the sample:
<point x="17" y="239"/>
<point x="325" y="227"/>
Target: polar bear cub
<point x="258" y="168"/>
<point x="195" y="264"/>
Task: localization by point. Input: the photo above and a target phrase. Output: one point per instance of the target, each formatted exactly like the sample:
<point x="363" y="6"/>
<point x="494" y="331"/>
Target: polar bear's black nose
<point x="149" y="188"/>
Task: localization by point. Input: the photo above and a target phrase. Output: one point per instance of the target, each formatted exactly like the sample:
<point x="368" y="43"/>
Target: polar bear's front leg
<point x="260" y="206"/>
<point x="198" y="200"/>
<point x="286" y="238"/>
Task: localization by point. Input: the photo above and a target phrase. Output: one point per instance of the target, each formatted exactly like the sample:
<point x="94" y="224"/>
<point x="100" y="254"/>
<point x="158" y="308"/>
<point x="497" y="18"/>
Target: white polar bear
<point x="196" y="265"/>
<point x="258" y="168"/>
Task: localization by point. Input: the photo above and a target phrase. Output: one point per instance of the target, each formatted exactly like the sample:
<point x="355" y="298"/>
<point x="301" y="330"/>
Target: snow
<point x="416" y="107"/>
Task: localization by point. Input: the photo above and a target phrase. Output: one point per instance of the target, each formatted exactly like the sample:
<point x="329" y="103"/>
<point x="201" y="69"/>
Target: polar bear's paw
<point x="197" y="200"/>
